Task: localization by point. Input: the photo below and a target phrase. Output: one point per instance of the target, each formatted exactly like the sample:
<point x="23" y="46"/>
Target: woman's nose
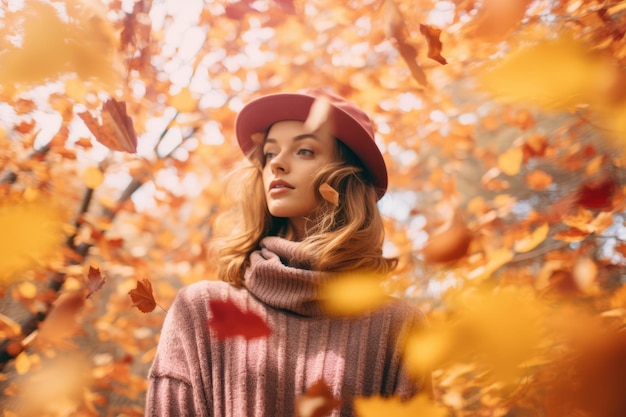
<point x="278" y="163"/>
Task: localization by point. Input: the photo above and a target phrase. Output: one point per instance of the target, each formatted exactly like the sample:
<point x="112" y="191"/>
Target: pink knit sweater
<point x="196" y="374"/>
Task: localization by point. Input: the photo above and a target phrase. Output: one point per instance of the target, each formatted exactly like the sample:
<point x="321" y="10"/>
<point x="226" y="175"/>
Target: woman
<point x="289" y="241"/>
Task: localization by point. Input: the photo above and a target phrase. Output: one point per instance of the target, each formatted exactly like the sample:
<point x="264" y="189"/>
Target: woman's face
<point x="292" y="156"/>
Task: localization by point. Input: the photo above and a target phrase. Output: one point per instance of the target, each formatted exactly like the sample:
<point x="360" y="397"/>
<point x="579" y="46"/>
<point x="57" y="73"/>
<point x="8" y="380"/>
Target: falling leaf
<point x="378" y="406"/>
<point x="95" y="280"/>
<point x="317" y="401"/>
<point x="585" y="272"/>
<point x="450" y="244"/>
<point x="510" y="162"/>
<point x="597" y="193"/>
<point x="318" y="117"/>
<point x="142" y="296"/>
<point x="329" y="194"/>
<point x="228" y="320"/>
<point x="31" y="232"/>
<point x="428" y="349"/>
<point x="531" y="241"/>
<point x="571" y="235"/>
<point x="115" y="131"/>
<point x="353" y="293"/>
<point x="61" y="324"/>
<point x="539" y="180"/>
<point x="93" y="177"/>
<point x="85" y="45"/>
<point x="434" y="44"/>
<point x="558" y="73"/>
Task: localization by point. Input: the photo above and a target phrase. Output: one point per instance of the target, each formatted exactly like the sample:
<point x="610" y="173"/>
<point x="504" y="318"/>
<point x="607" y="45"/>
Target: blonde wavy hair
<point x="345" y="237"/>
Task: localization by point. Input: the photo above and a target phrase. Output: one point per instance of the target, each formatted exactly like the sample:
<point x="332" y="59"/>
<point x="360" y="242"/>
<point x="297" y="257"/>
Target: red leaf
<point x="229" y="321"/>
<point x="317" y="401"/>
<point x="142" y="296"/>
<point x="434" y="44"/>
<point x="597" y="193"/>
<point x="95" y="280"/>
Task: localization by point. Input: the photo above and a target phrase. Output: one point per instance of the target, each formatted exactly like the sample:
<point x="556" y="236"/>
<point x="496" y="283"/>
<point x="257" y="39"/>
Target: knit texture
<point x="196" y="374"/>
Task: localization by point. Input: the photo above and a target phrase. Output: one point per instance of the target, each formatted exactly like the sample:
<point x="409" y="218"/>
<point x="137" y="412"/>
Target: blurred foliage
<point x="503" y="126"/>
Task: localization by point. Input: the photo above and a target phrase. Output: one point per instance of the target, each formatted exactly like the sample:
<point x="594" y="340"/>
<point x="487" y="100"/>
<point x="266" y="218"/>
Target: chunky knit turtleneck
<point x="196" y="374"/>
<point x="275" y="279"/>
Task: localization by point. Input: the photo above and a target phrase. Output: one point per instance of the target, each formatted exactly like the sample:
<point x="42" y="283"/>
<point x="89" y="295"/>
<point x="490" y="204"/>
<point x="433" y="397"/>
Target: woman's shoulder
<point x="404" y="310"/>
<point x="209" y="290"/>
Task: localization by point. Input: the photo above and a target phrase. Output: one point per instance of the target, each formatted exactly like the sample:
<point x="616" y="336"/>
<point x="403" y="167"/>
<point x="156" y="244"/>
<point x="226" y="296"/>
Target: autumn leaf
<point x="558" y="73"/>
<point x="317" y="401"/>
<point x="85" y="44"/>
<point x="329" y="194"/>
<point x="449" y="245"/>
<point x="115" y="130"/>
<point x="510" y="162"/>
<point x="318" y="117"/>
<point x="142" y="296"/>
<point x="378" y="406"/>
<point x="61" y="324"/>
<point x="597" y="193"/>
<point x="95" y="280"/>
<point x="533" y="239"/>
<point x="434" y="44"/>
<point x="228" y="320"/>
<point x="497" y="18"/>
<point x="31" y="232"/>
<point x="353" y="293"/>
<point x="93" y="177"/>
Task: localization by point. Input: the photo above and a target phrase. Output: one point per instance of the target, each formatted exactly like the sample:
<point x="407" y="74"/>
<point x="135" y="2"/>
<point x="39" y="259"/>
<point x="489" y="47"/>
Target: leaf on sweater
<point x="142" y="296"/>
<point x="378" y="406"/>
<point x="317" y="401"/>
<point x="95" y="280"/>
<point x="228" y="320"/>
<point x="353" y="293"/>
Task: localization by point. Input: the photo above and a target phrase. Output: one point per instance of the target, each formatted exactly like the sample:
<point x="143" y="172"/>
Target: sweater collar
<point x="278" y="281"/>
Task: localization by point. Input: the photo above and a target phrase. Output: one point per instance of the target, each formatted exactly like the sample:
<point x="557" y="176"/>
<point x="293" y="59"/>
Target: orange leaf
<point x="228" y="320"/>
<point x="330" y="194"/>
<point x="116" y="129"/>
<point x="61" y="323"/>
<point x="142" y="296"/>
<point x="449" y="245"/>
<point x="434" y="44"/>
<point x="531" y="241"/>
<point x="95" y="280"/>
<point x="510" y="162"/>
<point x="317" y="401"/>
<point x="538" y="180"/>
<point x="571" y="235"/>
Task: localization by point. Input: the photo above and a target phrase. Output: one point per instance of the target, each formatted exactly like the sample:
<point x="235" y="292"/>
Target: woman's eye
<point x="305" y="152"/>
<point x="269" y="155"/>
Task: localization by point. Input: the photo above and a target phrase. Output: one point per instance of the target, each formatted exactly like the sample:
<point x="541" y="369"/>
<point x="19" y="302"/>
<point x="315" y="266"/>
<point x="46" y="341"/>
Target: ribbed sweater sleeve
<point x="173" y="388"/>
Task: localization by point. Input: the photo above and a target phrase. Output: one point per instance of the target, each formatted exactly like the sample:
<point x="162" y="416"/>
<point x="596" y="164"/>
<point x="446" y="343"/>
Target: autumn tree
<point x="502" y="124"/>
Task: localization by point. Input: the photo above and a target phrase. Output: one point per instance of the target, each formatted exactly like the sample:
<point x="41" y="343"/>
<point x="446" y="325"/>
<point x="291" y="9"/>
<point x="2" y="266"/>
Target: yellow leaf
<point x="353" y="293"/>
<point x="84" y="45"/>
<point x="22" y="363"/>
<point x="378" y="406"/>
<point x="510" y="162"/>
<point x="184" y="101"/>
<point x="31" y="232"/>
<point x="531" y="241"/>
<point x="93" y="177"/>
<point x="554" y="74"/>
<point x="495" y="260"/>
<point x="426" y="350"/>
